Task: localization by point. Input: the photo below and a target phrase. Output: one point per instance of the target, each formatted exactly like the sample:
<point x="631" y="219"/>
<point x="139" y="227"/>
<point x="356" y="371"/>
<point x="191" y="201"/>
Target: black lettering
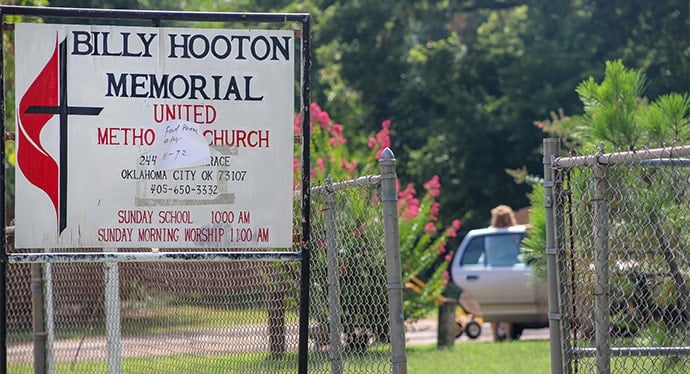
<point x="262" y="47"/>
<point x="139" y="85"/>
<point x="247" y="88"/>
<point x="119" y="86"/>
<point x="240" y="48"/>
<point x="185" y="87"/>
<point x="81" y="43"/>
<point x="284" y="48"/>
<point x="125" y="46"/>
<point x="106" y="52"/>
<point x="232" y="90"/>
<point x="174" y="45"/>
<point x="214" y="48"/>
<point x="205" y="46"/>
<point x="198" y="84"/>
<point x="159" y="89"/>
<point x="147" y="43"/>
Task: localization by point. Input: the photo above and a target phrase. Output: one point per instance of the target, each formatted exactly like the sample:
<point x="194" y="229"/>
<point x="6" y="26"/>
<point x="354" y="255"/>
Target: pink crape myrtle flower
<point x="349" y="166"/>
<point x="434" y="211"/>
<point x="382" y="140"/>
<point x="321" y="164"/>
<point x="452" y="231"/>
<point x="433" y="186"/>
<point x="337" y="138"/>
<point x="320" y="116"/>
<point x="408" y="205"/>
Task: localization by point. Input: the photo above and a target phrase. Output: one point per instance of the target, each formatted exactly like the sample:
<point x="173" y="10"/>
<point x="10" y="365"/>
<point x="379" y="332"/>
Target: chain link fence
<point x="348" y="265"/>
<point x="153" y="317"/>
<point x="217" y="315"/>
<point x="186" y="310"/>
<point x="623" y="263"/>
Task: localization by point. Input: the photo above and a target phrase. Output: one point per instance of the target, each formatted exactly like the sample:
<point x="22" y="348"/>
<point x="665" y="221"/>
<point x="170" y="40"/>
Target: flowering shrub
<point x="424" y="255"/>
<point x="422" y="246"/>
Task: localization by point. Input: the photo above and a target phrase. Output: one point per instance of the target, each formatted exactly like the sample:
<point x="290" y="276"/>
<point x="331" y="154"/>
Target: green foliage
<point x="616" y="114"/>
<point x="462" y="78"/>
<point x="612" y="107"/>
<point x="424" y="255"/>
<point x="667" y="120"/>
<point x="534" y="244"/>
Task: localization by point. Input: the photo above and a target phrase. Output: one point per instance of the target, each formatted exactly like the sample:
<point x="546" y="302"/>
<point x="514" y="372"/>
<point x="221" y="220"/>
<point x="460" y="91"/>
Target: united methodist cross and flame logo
<point x="45" y="98"/>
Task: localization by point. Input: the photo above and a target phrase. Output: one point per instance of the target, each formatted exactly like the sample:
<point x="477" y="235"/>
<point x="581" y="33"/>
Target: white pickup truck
<point x="488" y="265"/>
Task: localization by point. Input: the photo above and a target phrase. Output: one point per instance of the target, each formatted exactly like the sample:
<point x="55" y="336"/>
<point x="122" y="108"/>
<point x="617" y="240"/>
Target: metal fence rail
<point x="620" y="224"/>
<point x="132" y="311"/>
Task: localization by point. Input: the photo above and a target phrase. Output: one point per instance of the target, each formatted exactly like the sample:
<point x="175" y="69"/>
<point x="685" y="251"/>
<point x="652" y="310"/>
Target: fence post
<point x="601" y="266"/>
<point x="551" y="146"/>
<point x="334" y="310"/>
<point x="389" y="199"/>
<point x="49" y="315"/>
<point x="38" y="318"/>
<point x="112" y="315"/>
<point x="445" y="335"/>
<point x="3" y="208"/>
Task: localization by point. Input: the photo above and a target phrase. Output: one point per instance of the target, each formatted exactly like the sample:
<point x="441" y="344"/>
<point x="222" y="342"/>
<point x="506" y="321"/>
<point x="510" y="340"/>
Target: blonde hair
<point x="503" y="216"/>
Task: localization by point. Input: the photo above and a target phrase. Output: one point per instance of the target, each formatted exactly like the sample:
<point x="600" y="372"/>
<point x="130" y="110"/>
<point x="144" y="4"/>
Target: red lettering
<point x="238" y="138"/>
<point x="198" y="113"/>
<point x="125" y="136"/>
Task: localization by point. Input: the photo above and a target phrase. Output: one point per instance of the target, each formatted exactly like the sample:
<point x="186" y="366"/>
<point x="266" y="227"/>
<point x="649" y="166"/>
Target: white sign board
<point x="153" y="137"/>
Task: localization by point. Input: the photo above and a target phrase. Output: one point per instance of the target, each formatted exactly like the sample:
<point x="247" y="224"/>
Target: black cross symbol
<point x="63" y="110"/>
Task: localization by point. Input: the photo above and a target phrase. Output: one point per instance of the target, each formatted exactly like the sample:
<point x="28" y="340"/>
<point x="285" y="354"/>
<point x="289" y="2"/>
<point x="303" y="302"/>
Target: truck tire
<point x="473" y="329"/>
<point x="458" y="329"/>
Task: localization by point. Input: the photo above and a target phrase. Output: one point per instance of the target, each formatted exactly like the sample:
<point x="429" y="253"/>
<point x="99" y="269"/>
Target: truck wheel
<point x="458" y="329"/>
<point x="473" y="329"/>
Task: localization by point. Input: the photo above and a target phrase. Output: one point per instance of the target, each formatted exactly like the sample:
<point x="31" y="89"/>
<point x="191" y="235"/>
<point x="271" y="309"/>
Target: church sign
<point x="153" y="137"/>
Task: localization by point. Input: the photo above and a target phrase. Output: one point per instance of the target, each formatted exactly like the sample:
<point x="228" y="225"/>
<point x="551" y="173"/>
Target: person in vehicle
<point x="501" y="216"/>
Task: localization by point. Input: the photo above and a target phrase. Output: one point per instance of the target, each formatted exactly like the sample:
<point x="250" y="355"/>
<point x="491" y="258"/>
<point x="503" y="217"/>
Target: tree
<point x="461" y="78"/>
<point x="617" y="116"/>
<point x="646" y="208"/>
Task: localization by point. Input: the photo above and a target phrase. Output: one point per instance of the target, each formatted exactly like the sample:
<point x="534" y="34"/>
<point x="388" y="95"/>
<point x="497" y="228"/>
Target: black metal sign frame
<point x="155" y="18"/>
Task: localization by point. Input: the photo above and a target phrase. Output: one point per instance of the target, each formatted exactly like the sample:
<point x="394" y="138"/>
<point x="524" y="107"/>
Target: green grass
<point x="166" y="319"/>
<point x="530" y="357"/>
<point x="193" y="318"/>
<point x="182" y="364"/>
<point x="239" y="363"/>
<point x="507" y="357"/>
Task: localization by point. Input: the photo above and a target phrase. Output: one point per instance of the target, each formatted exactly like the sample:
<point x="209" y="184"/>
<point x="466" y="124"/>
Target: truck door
<point x="490" y="268"/>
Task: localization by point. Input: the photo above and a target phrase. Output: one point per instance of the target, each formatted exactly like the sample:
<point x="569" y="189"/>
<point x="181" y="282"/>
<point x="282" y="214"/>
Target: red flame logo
<point x="37" y="165"/>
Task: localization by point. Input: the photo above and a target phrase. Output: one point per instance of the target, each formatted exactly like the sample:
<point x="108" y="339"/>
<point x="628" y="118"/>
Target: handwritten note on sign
<point x="179" y="144"/>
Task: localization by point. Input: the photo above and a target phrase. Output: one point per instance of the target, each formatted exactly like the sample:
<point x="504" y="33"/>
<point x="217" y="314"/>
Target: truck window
<point x="474" y="253"/>
<point x="502" y="249"/>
